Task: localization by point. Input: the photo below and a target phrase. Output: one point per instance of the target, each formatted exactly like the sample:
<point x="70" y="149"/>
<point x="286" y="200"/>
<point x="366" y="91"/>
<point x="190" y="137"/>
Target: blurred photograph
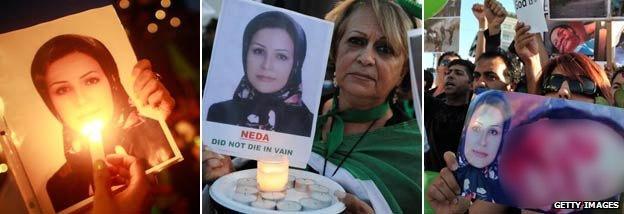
<point x="442" y="35"/>
<point x="583" y="9"/>
<point x="504" y="159"/>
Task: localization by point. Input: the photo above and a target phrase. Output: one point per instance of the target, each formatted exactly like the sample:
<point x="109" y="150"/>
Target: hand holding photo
<point x="257" y="106"/>
<point x="488" y="120"/>
<point x="531" y="151"/>
<point x="68" y="100"/>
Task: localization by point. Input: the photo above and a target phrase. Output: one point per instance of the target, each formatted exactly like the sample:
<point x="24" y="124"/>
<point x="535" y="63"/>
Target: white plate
<point x="222" y="190"/>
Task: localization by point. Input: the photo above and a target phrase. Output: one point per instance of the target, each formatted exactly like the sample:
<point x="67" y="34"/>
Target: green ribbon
<point x="408" y="109"/>
<point x="411" y="7"/>
<point x="336" y="133"/>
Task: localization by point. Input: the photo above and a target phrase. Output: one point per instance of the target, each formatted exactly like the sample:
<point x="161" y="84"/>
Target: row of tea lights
<point x="269" y="189"/>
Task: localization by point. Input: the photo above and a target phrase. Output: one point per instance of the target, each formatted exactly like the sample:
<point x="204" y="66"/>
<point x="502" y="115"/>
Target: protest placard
<point x="256" y="104"/>
<point x="531" y="151"/>
<point x="531" y="12"/>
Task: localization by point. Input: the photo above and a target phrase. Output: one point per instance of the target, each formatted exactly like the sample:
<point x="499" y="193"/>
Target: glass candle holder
<point x="272" y="175"/>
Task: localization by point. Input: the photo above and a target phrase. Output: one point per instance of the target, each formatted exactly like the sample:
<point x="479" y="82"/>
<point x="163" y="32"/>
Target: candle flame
<point x="93" y="130"/>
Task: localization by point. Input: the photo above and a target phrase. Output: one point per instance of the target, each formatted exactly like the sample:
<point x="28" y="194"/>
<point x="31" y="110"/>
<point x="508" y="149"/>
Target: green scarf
<point x="390" y="157"/>
<point x="336" y="133"/>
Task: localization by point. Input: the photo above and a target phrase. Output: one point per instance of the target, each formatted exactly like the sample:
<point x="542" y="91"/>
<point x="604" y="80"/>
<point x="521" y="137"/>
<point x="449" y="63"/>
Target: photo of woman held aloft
<point x="488" y="120"/>
<point x="269" y="95"/>
<point x="78" y="80"/>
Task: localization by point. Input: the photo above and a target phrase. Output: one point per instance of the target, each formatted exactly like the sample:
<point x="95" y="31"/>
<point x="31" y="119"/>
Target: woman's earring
<point x="334" y="81"/>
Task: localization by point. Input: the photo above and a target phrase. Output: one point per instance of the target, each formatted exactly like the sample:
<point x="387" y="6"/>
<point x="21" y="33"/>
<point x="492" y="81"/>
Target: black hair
<point x="512" y="64"/>
<point x="63" y="45"/>
<point x="470" y="67"/>
<point x="276" y="19"/>
<point x="445" y="54"/>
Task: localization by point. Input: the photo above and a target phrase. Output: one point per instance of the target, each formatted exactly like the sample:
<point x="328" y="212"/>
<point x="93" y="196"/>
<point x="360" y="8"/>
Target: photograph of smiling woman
<point x="269" y="95"/>
<point x="78" y="80"/>
<point x="487" y="122"/>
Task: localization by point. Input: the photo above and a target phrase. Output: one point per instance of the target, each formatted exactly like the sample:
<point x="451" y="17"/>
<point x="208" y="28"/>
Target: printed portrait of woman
<point x="269" y="95"/>
<point x="488" y="120"/>
<point x="78" y="80"/>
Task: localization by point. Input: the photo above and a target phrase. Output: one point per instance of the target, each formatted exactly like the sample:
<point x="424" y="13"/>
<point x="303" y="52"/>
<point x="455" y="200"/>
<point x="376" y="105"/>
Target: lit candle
<point x="92" y="131"/>
<point x="272" y="176"/>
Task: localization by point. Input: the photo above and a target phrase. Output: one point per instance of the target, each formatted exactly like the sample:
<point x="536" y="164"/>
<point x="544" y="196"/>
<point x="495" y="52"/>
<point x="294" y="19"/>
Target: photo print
<point x="68" y="94"/>
<point x="442" y="35"/>
<point x="587" y="38"/>
<point x="256" y="104"/>
<point x="578" y="9"/>
<point x="530" y="151"/>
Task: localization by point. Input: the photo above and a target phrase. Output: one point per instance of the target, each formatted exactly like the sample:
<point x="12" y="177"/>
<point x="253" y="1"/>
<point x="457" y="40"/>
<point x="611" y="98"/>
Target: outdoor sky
<point x="468" y="29"/>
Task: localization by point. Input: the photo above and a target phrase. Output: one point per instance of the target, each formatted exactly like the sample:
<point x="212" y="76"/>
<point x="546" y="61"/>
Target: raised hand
<point x="495" y="14"/>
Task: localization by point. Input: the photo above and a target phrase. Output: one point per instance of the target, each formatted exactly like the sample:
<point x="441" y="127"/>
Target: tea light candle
<point x="245" y="198"/>
<point x="288" y="206"/>
<point x="273" y="196"/>
<point x="302" y="184"/>
<point x="318" y="188"/>
<point x="272" y="176"/>
<point x="252" y="182"/>
<point x="246" y="190"/>
<point x="264" y="204"/>
<point x="92" y="131"/>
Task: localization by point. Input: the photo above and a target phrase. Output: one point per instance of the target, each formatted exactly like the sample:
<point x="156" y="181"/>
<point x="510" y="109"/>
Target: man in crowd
<point x="443" y="61"/>
<point x="444" y="119"/>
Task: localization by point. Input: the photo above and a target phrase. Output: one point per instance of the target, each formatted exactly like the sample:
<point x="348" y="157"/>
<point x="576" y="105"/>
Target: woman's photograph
<point x="489" y="119"/>
<point x="78" y="80"/>
<point x="571" y="37"/>
<point x="269" y="95"/>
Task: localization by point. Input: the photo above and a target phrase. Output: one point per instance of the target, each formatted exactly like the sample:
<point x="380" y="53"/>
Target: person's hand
<point x="526" y="44"/>
<point x="123" y="170"/>
<point x="217" y="165"/>
<point x="495" y="14"/>
<point x="149" y="91"/>
<point x="353" y="204"/>
<point x="443" y="193"/>
<point x="478" y="10"/>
